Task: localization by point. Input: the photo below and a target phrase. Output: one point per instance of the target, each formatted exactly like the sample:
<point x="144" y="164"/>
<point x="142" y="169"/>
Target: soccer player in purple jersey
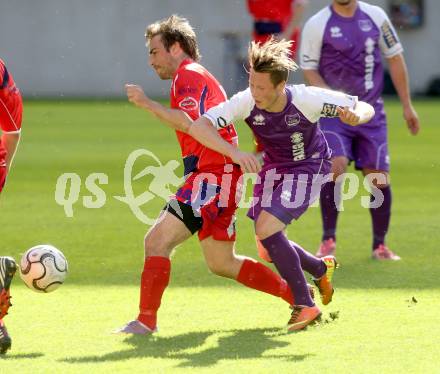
<point x="341" y="49"/>
<point x="296" y="161"/>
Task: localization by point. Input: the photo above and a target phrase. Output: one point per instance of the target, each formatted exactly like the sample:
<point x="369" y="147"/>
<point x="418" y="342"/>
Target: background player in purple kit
<point x="296" y="161"/>
<point x="341" y="49"/>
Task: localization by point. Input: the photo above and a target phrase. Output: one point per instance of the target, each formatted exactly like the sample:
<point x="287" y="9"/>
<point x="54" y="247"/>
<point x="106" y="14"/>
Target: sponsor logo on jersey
<point x="298" y="151"/>
<point x="369" y="64"/>
<point x="388" y="35"/>
<point x="292" y="119"/>
<point x="329" y="110"/>
<point x="186" y="90"/>
<point x="258" y="120"/>
<point x="335" y="32"/>
<point x="365" y="25"/>
<point x="189" y="103"/>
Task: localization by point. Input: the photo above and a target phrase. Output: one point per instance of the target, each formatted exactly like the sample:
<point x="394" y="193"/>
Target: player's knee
<point x="339" y="166"/>
<point x="155" y="245"/>
<point x="378" y="179"/>
<point x="262" y="230"/>
<point x="220" y="266"/>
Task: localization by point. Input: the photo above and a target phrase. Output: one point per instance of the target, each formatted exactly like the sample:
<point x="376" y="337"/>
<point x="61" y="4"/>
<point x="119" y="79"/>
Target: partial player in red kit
<point x="279" y="18"/>
<point x="206" y="201"/>
<point x="11" y="109"/>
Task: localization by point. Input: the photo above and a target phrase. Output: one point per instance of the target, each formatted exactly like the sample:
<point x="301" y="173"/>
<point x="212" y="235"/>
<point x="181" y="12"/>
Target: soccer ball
<point x="43" y="268"/>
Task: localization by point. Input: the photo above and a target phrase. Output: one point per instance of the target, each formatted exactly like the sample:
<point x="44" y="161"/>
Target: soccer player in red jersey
<point x="11" y="108"/>
<point x="280" y="18"/>
<point x="173" y="54"/>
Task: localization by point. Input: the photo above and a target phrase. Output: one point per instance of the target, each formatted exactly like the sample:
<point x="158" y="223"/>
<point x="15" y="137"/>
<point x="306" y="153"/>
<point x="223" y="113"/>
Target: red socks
<point x="154" y="280"/>
<point x="259" y="277"/>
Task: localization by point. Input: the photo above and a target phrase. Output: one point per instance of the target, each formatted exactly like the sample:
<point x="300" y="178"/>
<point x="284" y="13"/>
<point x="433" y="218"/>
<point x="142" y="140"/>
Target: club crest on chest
<point x="292" y="119"/>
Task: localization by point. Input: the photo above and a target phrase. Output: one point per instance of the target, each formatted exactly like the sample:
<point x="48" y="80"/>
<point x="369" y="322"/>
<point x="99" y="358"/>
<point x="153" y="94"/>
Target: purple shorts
<point x="365" y="144"/>
<point x="289" y="193"/>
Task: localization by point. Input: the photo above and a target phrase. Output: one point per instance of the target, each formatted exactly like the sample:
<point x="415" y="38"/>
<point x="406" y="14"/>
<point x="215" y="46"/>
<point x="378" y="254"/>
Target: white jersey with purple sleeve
<point x="347" y="51"/>
<point x="290" y="136"/>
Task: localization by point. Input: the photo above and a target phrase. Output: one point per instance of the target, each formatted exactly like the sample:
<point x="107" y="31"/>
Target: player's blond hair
<point x="272" y="57"/>
<point x="175" y="29"/>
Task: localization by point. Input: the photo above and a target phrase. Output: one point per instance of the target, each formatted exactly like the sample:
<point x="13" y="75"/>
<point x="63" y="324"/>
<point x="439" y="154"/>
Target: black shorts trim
<point x="185" y="213"/>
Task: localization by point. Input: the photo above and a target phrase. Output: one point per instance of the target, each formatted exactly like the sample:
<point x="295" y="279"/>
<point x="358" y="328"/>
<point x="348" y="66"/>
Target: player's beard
<point x="163" y="73"/>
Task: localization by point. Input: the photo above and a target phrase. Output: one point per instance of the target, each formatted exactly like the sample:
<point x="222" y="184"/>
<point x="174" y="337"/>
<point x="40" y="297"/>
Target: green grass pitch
<point x="207" y="323"/>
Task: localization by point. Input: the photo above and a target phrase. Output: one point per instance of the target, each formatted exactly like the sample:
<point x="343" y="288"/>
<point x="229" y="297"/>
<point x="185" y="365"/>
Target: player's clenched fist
<point x="247" y="161"/>
<point x="348" y="116"/>
<point x="137" y="96"/>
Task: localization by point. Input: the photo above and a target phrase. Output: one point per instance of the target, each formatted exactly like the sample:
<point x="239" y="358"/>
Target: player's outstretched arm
<point x="204" y="132"/>
<point x="174" y="118"/>
<point x="361" y="113"/>
<point x="10" y="144"/>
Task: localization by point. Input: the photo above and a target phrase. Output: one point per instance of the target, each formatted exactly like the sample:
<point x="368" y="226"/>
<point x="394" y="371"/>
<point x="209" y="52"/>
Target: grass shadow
<point x="221" y="345"/>
<point x="20" y="356"/>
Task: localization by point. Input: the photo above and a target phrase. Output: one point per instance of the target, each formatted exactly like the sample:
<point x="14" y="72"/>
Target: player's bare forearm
<point x="205" y="133"/>
<point x="313" y="78"/>
<point x="10" y="144"/>
<point x="298" y="11"/>
<point x="399" y="76"/>
<point x="174" y="118"/>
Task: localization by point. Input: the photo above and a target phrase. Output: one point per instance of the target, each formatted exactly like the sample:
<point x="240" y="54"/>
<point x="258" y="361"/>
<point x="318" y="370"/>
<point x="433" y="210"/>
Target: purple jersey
<point x="347" y="51"/>
<point x="289" y="137"/>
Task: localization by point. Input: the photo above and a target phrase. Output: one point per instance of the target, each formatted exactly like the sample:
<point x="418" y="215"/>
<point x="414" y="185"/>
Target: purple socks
<point x="287" y="261"/>
<point x="329" y="210"/>
<point x="381" y="217"/>
<point x="312" y="264"/>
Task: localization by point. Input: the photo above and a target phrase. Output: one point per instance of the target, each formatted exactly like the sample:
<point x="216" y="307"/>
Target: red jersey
<point x="194" y="90"/>
<point x="274" y="10"/>
<point x="11" y="106"/>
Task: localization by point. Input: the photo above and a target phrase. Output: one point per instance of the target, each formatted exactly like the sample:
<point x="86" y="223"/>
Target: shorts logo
<point x="286" y="196"/>
<point x="329" y="110"/>
<point x="292" y="119"/>
<point x="258" y="120"/>
<point x="335" y="32"/>
<point x="365" y="25"/>
<point x="189" y="103"/>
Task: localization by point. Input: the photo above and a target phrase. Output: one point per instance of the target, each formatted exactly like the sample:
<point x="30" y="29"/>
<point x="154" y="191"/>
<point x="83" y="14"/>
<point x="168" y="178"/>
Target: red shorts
<point x="213" y="197"/>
